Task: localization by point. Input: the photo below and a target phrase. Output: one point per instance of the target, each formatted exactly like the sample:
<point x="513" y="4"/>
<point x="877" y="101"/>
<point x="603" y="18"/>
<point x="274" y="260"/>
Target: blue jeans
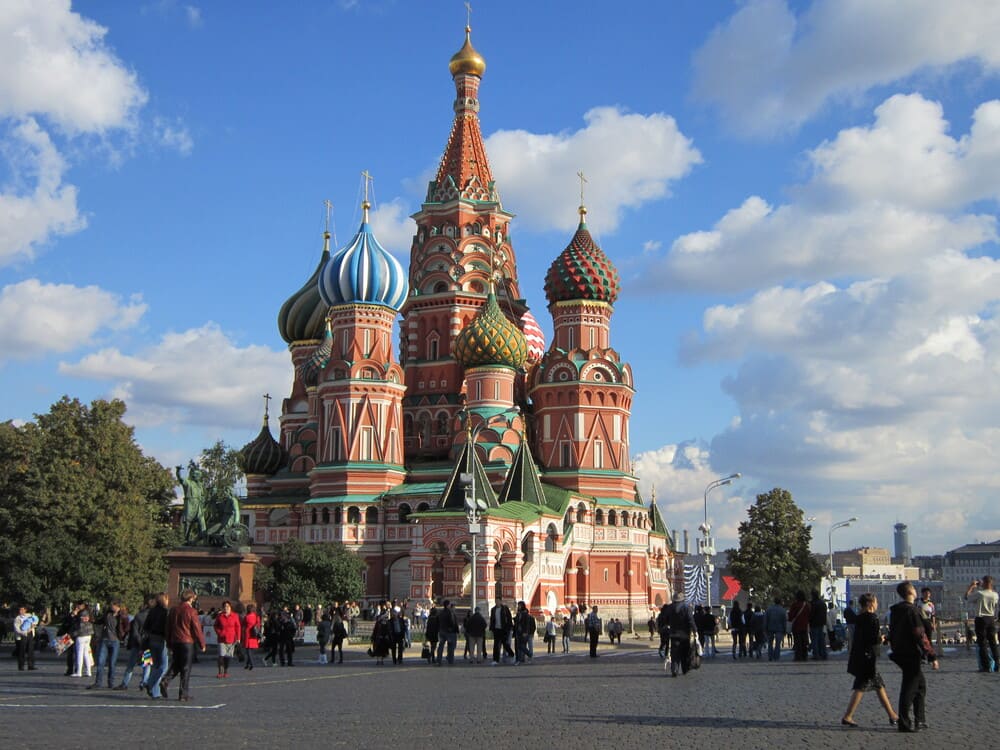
<point x="452" y="640"/>
<point x="134" y="659"/>
<point x="159" y="668"/>
<point x="818" y="635"/>
<point x="107" y="653"/>
<point x="774" y="639"/>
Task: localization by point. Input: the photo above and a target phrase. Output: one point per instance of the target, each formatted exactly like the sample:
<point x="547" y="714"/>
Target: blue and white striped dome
<point x="363" y="272"/>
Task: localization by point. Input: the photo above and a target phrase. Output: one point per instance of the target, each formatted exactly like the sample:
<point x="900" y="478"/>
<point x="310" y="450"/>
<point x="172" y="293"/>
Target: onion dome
<point x="582" y="271"/>
<point x="363" y="272"/>
<point x="301" y="317"/>
<point x="491" y="339"/>
<point x="309" y="371"/>
<point x="263" y="455"/>
<point x="467" y="60"/>
<point x="534" y="337"/>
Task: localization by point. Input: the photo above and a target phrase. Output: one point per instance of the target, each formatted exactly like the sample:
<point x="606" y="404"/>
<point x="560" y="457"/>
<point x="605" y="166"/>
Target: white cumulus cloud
<point x="392" y="226"/>
<point x="38" y="318"/>
<point x="628" y="159"/>
<point x="769" y="68"/>
<point x="195" y="377"/>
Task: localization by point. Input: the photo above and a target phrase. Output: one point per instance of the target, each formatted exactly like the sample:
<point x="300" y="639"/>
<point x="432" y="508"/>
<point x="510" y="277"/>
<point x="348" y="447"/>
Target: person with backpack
<point x="136" y="646"/>
<point x="339" y="632"/>
<point x="798" y="618"/>
<point x="524" y="630"/>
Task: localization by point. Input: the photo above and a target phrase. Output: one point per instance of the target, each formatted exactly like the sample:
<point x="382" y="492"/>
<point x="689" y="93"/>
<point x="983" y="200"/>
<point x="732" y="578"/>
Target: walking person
<point x="593" y="630"/>
<point x="798" y="617"/>
<point x="737" y="631"/>
<point x="909" y="649"/>
<point x="136" y="646"/>
<point x="82" y="635"/>
<point x="862" y="661"/>
<point x="524" y="629"/>
<point x="251" y="634"/>
<point x="431" y="632"/>
<point x="324" y="631"/>
<point x="447" y="632"/>
<point x="567" y="633"/>
<point x="228" y="630"/>
<point x="156" y="642"/>
<point x="680" y="623"/>
<point x="339" y="632"/>
<point x="983" y="603"/>
<point x="184" y="634"/>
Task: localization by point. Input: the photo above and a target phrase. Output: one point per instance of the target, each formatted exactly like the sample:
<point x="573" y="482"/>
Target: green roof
<point x="558" y="498"/>
<point x="418" y="488"/>
<point x="617" y="501"/>
<point x="519" y="511"/>
<point x="453" y="495"/>
<point x="522" y="482"/>
<point x="342" y="499"/>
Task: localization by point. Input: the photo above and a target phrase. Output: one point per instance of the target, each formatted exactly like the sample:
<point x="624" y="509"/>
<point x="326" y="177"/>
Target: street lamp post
<point x="707" y="543"/>
<point x="829" y="539"/>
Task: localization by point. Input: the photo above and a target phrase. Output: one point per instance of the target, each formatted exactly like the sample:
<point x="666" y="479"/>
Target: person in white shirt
<point x="24" y="638"/>
<point x="983" y="601"/>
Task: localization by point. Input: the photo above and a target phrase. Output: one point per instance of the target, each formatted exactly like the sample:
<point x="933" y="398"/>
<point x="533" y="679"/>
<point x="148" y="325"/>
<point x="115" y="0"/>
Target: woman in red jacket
<point x="251" y="634"/>
<point x="227" y="628"/>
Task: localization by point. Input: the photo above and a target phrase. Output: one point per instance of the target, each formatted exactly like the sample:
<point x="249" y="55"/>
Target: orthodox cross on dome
<point x="365" y="204"/>
<point x="267" y="405"/>
<point x="583" y="181"/>
<point x="468" y="15"/>
<point x="329" y="207"/>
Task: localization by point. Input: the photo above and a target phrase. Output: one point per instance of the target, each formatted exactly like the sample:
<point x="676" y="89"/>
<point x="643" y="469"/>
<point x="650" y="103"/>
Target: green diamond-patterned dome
<point x="582" y="271"/>
<point x="491" y="339"/>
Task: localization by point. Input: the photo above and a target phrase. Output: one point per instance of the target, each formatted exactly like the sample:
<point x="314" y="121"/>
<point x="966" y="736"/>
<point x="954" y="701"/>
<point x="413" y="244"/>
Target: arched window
<point x="371" y="516"/>
<point x="624" y="518"/>
<point x="423" y="508"/>
<point x="550" y="539"/>
<point x="404" y="513"/>
<point x="599" y="517"/>
<point x="441" y="427"/>
<point x="326" y="515"/>
<point x="312" y="517"/>
<point x="581" y="513"/>
<point x="353" y="514"/>
<point x="612" y="518"/>
<point x="528" y="547"/>
<point x="338" y="515"/>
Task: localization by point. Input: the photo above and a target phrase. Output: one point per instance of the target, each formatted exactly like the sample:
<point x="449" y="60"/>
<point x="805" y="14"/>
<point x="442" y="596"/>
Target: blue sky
<point x="801" y="199"/>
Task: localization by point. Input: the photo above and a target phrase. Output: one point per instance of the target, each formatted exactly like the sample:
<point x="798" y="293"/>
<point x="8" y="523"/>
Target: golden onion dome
<point x="467" y="60"/>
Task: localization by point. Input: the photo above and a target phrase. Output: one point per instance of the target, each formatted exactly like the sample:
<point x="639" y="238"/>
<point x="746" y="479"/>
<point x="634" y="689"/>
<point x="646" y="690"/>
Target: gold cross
<point x="468" y="15"/>
<point x="267" y="398"/>
<point x="368" y="179"/>
<point x="583" y="180"/>
<point x="329" y="208"/>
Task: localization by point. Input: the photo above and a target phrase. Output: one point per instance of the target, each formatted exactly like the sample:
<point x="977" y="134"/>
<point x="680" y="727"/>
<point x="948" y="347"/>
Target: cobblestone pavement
<point x="623" y="699"/>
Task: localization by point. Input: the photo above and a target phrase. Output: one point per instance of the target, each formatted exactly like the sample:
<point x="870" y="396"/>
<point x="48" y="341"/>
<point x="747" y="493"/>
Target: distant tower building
<point x="901" y="544"/>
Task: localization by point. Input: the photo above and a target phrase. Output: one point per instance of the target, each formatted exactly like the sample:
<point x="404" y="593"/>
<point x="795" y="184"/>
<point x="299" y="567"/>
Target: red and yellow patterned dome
<point x="582" y="271"/>
<point x="491" y="339"/>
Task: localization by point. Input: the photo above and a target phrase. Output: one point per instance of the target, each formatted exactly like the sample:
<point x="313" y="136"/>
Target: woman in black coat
<point x="863" y="661"/>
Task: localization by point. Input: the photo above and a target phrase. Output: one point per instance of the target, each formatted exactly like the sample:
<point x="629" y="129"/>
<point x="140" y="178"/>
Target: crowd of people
<point x="163" y="641"/>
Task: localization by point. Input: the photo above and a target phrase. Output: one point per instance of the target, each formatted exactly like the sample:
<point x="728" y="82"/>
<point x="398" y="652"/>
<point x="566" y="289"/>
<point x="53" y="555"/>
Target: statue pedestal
<point x="214" y="574"/>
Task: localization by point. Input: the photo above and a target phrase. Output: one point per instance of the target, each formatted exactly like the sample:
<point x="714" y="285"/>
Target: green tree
<point x="301" y="573"/>
<point x="221" y="467"/>
<point x="84" y="513"/>
<point x="773" y="557"/>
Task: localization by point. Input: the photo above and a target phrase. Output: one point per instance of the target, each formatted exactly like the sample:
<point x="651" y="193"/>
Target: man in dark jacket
<point x="447" y="632"/>
<point x="909" y="648"/>
<point x="156" y="639"/>
<point x="680" y="623"/>
<point x="475" y="632"/>
<point x="817" y="626"/>
<point x="184" y="634"/>
<point x="501" y="625"/>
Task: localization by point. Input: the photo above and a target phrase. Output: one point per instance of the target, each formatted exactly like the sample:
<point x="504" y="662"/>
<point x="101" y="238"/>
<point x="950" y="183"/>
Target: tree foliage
<point x="317" y="573"/>
<point x="220" y="465"/>
<point x="773" y="558"/>
<point x="84" y="513"/>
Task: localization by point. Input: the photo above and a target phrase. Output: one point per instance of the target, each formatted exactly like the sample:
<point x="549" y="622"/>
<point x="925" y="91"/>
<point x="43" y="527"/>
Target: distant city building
<point x="872" y="564"/>
<point x="901" y="544"/>
<point x="970" y="561"/>
<point x="930" y="566"/>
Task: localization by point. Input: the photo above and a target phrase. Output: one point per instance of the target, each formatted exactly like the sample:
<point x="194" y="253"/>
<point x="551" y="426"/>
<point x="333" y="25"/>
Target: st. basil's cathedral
<point x="386" y="456"/>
